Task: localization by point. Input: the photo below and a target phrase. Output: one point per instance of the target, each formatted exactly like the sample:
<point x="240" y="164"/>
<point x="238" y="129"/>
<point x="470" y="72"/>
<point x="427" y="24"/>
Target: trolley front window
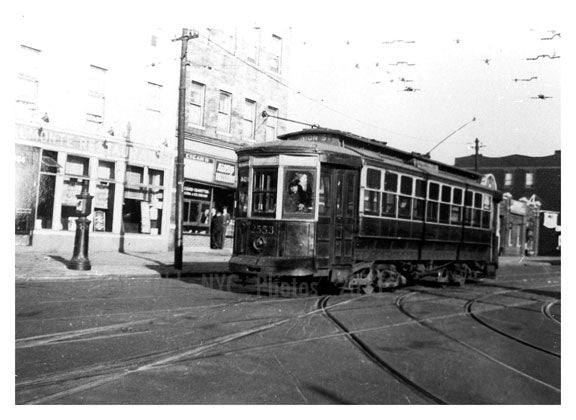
<point x="298" y="196"/>
<point x="264" y="192"/>
<point x="242" y="206"/>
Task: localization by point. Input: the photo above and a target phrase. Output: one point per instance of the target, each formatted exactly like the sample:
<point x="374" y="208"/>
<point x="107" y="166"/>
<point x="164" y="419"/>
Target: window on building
<point x="96" y="95"/>
<point x="275" y="54"/>
<point x="264" y="192"/>
<point x="153" y="97"/>
<point x="249" y="118"/>
<point x="508" y="179"/>
<point x="224" y="111"/>
<point x="143" y="200"/>
<point x="104" y="197"/>
<point x="27" y="90"/>
<point x="529" y="179"/>
<point x="253" y="45"/>
<point x="47" y="187"/>
<point x="196" y="110"/>
<point x="272" y="124"/>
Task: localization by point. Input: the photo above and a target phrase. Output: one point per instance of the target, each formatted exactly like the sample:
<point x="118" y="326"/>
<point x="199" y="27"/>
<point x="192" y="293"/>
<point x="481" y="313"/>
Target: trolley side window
<point x="298" y="196"/>
<point x="372" y="192"/>
<point x="264" y="192"/>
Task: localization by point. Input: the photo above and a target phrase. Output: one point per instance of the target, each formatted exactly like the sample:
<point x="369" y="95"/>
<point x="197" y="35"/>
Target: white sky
<point x="336" y="45"/>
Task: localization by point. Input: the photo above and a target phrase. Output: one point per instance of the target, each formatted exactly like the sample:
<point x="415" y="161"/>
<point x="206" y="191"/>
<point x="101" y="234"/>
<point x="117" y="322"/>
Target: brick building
<point x="535" y="181"/>
<point x="104" y="111"/>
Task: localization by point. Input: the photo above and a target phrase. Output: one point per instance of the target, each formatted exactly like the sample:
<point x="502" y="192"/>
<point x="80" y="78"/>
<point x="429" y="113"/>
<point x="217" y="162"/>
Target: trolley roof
<point x="374" y="149"/>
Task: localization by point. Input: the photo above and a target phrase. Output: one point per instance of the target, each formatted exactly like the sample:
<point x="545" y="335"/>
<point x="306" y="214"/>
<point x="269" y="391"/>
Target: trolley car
<point x="351" y="210"/>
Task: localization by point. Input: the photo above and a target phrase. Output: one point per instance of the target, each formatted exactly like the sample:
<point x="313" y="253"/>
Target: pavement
<point x="33" y="265"/>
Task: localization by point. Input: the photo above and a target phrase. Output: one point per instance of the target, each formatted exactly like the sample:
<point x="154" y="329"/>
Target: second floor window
<point x="96" y="96"/>
<point x="224" y="108"/>
<point x="271" y="124"/>
<point x="154" y="97"/>
<point x="529" y="179"/>
<point x="249" y="118"/>
<point x="196" y="103"/>
<point x="275" y="54"/>
<point x="27" y="91"/>
<point x="508" y="179"/>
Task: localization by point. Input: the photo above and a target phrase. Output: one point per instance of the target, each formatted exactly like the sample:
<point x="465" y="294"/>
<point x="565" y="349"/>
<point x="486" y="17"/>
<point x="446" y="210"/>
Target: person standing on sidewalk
<point x="225" y="222"/>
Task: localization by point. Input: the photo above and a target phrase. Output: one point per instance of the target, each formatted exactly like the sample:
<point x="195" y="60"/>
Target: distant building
<point x="104" y="110"/>
<point x="532" y="180"/>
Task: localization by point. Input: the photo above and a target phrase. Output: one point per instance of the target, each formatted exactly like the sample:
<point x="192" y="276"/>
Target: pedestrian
<point x="216" y="230"/>
<point x="225" y="222"/>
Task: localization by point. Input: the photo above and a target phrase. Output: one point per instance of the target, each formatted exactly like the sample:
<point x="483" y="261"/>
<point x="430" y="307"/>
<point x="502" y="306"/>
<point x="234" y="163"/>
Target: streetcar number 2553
<point x="262" y="229"/>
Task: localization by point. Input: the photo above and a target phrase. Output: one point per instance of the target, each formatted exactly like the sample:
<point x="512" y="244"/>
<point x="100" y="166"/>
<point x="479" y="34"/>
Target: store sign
<point x="198" y="167"/>
<point x="225" y="172"/>
<point x="196" y="192"/>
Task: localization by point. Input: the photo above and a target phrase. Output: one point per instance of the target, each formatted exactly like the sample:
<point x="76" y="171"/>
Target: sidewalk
<point x="48" y="266"/>
<point x="45" y="266"/>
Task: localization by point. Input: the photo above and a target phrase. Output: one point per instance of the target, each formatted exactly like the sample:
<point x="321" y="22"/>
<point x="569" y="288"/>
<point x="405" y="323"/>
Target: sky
<point x="347" y="64"/>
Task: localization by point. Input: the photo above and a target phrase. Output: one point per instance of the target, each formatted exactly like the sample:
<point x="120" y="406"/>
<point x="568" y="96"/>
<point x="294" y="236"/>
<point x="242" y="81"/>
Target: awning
<point x="48" y="161"/>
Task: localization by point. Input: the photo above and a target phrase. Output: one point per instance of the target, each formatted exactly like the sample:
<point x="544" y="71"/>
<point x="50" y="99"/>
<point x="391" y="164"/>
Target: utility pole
<point x="179" y="247"/>
<point x="476" y="149"/>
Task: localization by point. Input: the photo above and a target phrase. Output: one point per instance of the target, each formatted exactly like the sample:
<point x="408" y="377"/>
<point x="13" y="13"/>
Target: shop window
<point x="299" y="193"/>
<point x="197" y="216"/>
<point x="46" y="189"/>
<point x="264" y="192"/>
<point x="76" y="171"/>
<point x="143" y="200"/>
<point x="104" y="197"/>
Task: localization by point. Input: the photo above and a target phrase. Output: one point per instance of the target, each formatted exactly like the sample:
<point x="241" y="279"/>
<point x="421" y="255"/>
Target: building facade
<point x="233" y="76"/>
<point x="104" y="111"/>
<point x="534" y="181"/>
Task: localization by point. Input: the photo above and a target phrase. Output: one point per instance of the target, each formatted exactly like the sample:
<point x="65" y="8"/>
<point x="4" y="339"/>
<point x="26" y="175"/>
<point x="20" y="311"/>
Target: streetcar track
<point x="101" y="375"/>
<point x="371" y="355"/>
<point x="474" y="316"/>
<point x="546" y="311"/>
<point x="425" y="324"/>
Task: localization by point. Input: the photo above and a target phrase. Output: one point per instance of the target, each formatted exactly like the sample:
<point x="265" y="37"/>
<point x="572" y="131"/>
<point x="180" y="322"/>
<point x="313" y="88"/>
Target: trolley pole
<point x="179" y="247"/>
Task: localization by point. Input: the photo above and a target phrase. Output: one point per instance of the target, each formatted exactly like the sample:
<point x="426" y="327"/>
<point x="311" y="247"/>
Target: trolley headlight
<point x="259" y="243"/>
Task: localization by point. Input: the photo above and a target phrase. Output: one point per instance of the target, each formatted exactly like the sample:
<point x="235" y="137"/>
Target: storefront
<point x="513" y="232"/>
<point x="127" y="182"/>
<point x="209" y="188"/>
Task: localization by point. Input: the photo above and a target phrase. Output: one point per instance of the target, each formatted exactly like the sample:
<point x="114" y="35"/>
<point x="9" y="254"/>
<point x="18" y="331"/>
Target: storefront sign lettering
<point x="225" y="172"/>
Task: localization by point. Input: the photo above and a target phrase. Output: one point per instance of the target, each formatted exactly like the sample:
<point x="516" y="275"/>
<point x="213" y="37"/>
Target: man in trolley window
<point x="297" y="200"/>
